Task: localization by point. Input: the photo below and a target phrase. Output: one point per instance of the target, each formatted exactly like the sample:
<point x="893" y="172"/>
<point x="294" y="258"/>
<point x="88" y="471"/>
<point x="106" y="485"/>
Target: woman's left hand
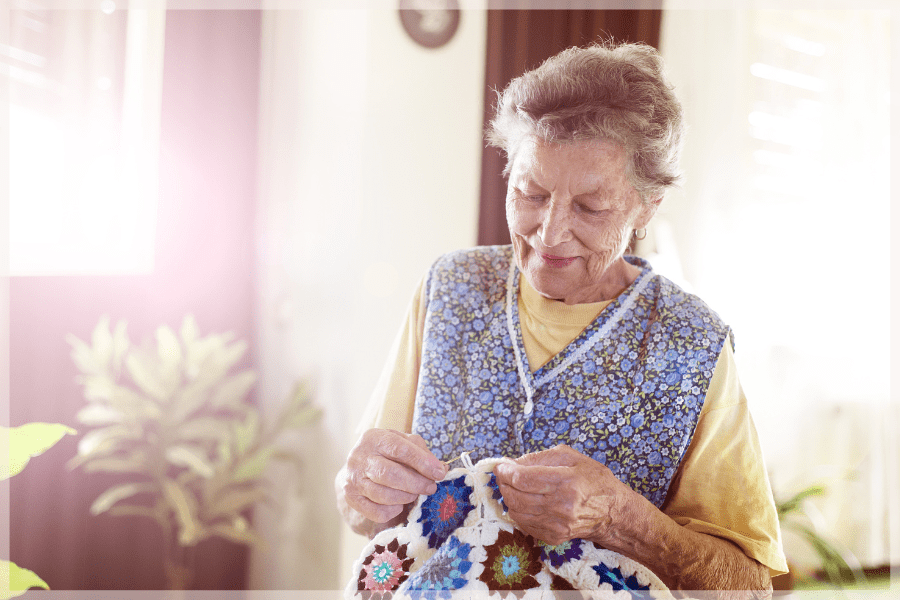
<point x="560" y="494"/>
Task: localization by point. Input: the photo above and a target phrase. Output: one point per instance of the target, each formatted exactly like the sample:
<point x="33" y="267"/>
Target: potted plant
<point x="176" y="420"/>
<point x="838" y="564"/>
<point x="24" y="443"/>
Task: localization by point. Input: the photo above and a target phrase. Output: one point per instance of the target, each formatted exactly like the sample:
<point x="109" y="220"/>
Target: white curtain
<point x="84" y="89"/>
<point x="782" y="226"/>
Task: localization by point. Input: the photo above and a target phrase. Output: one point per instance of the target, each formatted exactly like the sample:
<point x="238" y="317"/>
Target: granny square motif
<point x="459" y="543"/>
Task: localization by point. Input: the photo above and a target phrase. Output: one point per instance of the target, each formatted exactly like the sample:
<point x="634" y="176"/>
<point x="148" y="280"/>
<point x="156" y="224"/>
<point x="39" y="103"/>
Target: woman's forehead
<point x="585" y="161"/>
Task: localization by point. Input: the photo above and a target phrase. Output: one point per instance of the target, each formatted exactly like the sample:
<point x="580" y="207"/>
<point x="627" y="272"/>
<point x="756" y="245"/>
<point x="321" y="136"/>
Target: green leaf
<point x="15" y="581"/>
<point x="189" y="330"/>
<point x="231" y="354"/>
<point x="299" y="410"/>
<point x="797" y="499"/>
<point x="185" y="507"/>
<point x="303" y="417"/>
<point x="120" y="345"/>
<point x="170" y="355"/>
<point x="247" y="432"/>
<point x="83" y="356"/>
<point x="235" y="501"/>
<point x="135" y="463"/>
<point x="204" y="428"/>
<point x="233" y="390"/>
<point x="129" y="510"/>
<point x="168" y="346"/>
<point x="135" y="405"/>
<point x="107" y="499"/>
<point x="253" y="466"/>
<point x="833" y="562"/>
<point x="237" y="531"/>
<point x="99" y="387"/>
<point x="99" y="414"/>
<point x="223" y="450"/>
<point x="143" y="375"/>
<point x="99" y="441"/>
<point x="192" y="457"/>
<point x="218" y="357"/>
<point x="103" y="342"/>
<point x="28" y="441"/>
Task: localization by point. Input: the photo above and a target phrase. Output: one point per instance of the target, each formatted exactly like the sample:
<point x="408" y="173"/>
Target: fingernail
<point x="439" y="472"/>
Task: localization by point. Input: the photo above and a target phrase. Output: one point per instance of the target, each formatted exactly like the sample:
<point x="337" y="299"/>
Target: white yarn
<point x="480" y="530"/>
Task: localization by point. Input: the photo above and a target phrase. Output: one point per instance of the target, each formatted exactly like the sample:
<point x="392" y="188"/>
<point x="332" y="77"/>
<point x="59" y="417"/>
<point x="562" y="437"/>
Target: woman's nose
<point x="555" y="226"/>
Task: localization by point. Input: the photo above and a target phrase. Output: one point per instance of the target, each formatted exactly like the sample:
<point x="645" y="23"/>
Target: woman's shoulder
<point x="483" y="267"/>
<point x="681" y="310"/>
<point x="480" y="260"/>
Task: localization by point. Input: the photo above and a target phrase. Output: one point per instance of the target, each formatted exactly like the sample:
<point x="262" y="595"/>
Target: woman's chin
<point x="549" y="285"/>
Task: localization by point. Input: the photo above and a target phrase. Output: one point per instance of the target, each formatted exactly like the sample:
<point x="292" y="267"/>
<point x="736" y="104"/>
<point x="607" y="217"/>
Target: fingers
<point x="522" y="502"/>
<point x="412" y="451"/>
<point x="557" y="494"/>
<point x="378" y="472"/>
<point x="558" y="456"/>
<point x="388" y="470"/>
<point x="532" y="479"/>
<point x="379" y="513"/>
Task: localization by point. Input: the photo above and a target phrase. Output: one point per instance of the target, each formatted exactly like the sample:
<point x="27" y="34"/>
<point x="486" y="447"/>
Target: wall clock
<point x="431" y="23"/>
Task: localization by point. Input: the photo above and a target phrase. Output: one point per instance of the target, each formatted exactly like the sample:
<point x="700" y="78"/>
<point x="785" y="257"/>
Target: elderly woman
<point x="615" y="391"/>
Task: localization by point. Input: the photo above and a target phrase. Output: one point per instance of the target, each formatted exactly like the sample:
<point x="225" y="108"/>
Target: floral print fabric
<point x="480" y="550"/>
<point x="626" y="392"/>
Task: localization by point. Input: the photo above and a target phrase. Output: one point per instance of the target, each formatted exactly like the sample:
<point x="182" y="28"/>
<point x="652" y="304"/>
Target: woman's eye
<point x="591" y="211"/>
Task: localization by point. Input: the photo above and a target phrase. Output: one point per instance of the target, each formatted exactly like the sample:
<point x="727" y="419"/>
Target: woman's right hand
<point x="386" y="471"/>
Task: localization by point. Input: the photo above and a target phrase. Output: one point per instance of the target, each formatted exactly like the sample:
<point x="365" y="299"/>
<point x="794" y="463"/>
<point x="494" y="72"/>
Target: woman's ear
<point x="647" y="212"/>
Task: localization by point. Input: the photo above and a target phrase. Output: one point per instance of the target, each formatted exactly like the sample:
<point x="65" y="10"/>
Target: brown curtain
<point x="520" y="39"/>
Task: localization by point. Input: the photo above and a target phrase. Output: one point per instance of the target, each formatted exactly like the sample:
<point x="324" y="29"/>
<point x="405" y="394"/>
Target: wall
<point x="370" y="168"/>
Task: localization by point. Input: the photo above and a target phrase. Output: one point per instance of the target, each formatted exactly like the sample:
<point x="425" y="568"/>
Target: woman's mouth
<point x="557" y="261"/>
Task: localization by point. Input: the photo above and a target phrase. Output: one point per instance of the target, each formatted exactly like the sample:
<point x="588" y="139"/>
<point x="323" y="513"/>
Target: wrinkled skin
<point x="385" y="473"/>
<point x="571" y="213"/>
<point x="560" y="494"/>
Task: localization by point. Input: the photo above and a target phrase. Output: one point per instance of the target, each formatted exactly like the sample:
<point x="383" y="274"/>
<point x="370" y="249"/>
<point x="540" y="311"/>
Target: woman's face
<point x="571" y="212"/>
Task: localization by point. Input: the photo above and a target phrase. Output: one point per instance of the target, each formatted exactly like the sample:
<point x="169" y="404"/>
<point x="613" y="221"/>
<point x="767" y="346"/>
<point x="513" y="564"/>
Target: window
<point x="84" y="124"/>
<point x="783" y="228"/>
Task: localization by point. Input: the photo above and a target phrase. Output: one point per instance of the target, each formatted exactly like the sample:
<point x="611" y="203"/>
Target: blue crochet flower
<point x="445" y="510"/>
<point x="442" y="572"/>
<point x="496" y="495"/>
<point x="614" y="577"/>
<point x="561" y="553"/>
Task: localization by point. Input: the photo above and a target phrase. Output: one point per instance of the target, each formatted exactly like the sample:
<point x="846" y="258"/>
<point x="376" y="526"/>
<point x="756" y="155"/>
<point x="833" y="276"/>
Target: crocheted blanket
<point x="460" y="538"/>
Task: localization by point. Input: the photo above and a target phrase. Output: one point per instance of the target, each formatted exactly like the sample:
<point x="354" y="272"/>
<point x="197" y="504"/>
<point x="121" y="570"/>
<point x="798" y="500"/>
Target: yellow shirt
<point x="721" y="487"/>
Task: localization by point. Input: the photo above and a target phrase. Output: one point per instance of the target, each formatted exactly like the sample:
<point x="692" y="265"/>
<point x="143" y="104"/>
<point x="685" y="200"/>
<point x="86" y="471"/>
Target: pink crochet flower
<point x="384" y="570"/>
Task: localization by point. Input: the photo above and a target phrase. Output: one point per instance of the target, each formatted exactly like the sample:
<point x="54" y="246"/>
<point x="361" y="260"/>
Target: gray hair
<point x="605" y="91"/>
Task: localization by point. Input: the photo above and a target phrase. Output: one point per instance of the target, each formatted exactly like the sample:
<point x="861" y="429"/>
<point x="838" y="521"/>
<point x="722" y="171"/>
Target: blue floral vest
<point x="627" y="391"/>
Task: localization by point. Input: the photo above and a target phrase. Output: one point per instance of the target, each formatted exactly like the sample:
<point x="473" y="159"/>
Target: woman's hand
<point x="386" y="471"/>
<point x="560" y="494"/>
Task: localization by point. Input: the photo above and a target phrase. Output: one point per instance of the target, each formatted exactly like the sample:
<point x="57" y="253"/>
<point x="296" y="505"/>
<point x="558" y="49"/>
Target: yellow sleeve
<point x="393" y="400"/>
<point x="722" y="487"/>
